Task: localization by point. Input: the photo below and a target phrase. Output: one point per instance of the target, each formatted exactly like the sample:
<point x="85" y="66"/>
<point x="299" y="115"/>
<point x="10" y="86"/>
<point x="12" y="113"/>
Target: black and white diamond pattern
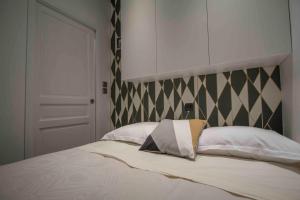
<point x="271" y="100"/>
<point x="249" y="97"/>
<point x="224" y="99"/>
<point x="239" y="97"/>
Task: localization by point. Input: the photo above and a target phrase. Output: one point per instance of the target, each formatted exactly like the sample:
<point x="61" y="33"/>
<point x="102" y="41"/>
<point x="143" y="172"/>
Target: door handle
<point x="92" y="101"/>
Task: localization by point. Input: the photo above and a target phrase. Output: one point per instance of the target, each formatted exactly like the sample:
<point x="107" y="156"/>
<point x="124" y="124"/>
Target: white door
<point x="63" y="83"/>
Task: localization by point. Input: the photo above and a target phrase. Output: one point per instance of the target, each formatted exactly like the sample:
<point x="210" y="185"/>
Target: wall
<point x="96" y="14"/>
<point x="244" y="97"/>
<point x="13" y="21"/>
<point x="291" y="78"/>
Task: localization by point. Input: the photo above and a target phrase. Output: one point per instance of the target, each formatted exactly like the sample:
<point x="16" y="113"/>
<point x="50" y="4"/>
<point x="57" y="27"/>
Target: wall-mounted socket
<point x="104" y="87"/>
<point x="188" y="107"/>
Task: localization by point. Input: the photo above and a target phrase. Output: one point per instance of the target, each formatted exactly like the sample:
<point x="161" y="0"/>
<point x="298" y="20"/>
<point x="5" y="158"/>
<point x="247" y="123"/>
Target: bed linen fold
<point x="249" y="178"/>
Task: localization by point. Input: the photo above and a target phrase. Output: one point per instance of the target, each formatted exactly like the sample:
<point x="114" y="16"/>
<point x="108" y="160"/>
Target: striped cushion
<point x="175" y="137"/>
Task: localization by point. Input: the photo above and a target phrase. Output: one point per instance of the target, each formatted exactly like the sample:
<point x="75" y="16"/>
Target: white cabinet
<point x="182" y="38"/>
<point x="174" y="37"/>
<point x="245" y="30"/>
<point x="138" y="38"/>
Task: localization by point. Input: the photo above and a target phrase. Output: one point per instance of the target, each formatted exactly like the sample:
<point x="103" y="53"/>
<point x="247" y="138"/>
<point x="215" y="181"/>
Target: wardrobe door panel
<point x="138" y="39"/>
<point x="182" y="39"/>
<point x="245" y="30"/>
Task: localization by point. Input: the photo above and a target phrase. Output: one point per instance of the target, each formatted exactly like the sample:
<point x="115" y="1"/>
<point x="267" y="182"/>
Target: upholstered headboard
<point x="249" y="97"/>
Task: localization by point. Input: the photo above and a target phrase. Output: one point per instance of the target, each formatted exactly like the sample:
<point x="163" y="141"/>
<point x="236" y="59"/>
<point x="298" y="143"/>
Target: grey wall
<point x="13" y="23"/>
<point x="291" y="78"/>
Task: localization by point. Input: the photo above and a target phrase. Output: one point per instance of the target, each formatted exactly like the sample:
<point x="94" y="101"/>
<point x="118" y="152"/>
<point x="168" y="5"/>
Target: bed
<point x="118" y="170"/>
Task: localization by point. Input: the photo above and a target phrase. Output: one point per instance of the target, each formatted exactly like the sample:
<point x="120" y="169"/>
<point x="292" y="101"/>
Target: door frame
<point x="31" y="61"/>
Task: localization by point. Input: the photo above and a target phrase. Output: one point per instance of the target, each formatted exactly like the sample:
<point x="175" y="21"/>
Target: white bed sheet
<point x="77" y="174"/>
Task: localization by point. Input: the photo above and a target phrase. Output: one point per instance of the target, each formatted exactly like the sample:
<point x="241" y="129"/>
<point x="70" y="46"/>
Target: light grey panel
<point x="182" y="39"/>
<point x="138" y="38"/>
<point x="241" y="30"/>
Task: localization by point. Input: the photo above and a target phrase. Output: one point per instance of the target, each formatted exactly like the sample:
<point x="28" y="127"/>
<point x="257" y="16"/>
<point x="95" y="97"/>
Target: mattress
<point x="79" y="174"/>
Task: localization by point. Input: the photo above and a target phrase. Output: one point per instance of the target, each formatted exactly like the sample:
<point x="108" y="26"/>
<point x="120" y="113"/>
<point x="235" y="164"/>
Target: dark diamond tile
<point x="161" y="82"/>
<point x="276" y="76"/>
<point x="138" y="117"/>
<point x="213" y="118"/>
<point x="168" y="87"/>
<point x="258" y="122"/>
<point x="133" y="116"/>
<point x="253" y="95"/>
<point x="170" y="114"/>
<point x="264" y="77"/>
<point x="113" y="68"/>
<point x="266" y="112"/>
<point x="118" y="78"/>
<point x="202" y="77"/>
<point x="113" y="92"/>
<point x="113" y="117"/>
<point x="238" y="80"/>
<point x="129" y="101"/>
<point x="151" y="90"/>
<point x="118" y="6"/>
<point x="177" y="82"/>
<point x="124" y="117"/>
<point x="276" y="120"/>
<point x="113" y="3"/>
<point x="118" y="105"/>
<point x="242" y="117"/>
<point x="113" y="19"/>
<point x="118" y="56"/>
<point x="202" y="101"/>
<point x="139" y="90"/>
<point x="211" y="86"/>
<point x="152" y="115"/>
<point x="183" y="86"/>
<point x="227" y="75"/>
<point x="159" y="104"/>
<point x="133" y="90"/>
<point x="124" y="90"/>
<point x="146" y="105"/>
<point x="118" y="27"/>
<point x="252" y="74"/>
<point x="130" y="86"/>
<point x="177" y="99"/>
<point x="224" y="102"/>
<point x="191" y="86"/>
<point x="118" y="124"/>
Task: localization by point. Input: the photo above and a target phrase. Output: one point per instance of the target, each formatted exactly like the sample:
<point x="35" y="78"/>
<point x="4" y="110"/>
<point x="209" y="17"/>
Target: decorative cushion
<point x="175" y="137"/>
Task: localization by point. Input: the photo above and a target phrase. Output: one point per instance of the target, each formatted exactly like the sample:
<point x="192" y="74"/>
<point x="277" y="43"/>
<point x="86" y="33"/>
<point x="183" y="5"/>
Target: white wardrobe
<point x="166" y="37"/>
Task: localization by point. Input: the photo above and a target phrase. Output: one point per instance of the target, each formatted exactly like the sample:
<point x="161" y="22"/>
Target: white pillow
<point x="249" y="142"/>
<point x="136" y="133"/>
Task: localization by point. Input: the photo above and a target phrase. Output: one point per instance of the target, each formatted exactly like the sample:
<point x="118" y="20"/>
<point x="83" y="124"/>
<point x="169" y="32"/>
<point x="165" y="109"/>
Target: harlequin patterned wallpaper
<point x="249" y="97"/>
